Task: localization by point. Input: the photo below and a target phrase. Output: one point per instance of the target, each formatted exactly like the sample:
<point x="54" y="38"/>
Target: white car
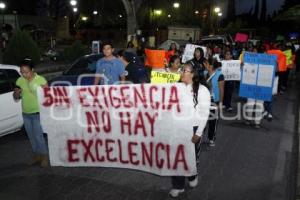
<point x="10" y="110"/>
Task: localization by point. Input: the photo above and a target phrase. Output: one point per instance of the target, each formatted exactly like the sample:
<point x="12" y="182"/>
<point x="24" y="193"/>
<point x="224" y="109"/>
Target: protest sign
<point x="189" y="52"/>
<point x="231" y="70"/>
<point x="155" y="58"/>
<point x="241" y="37"/>
<point x="143" y="127"/>
<point x="164" y="77"/>
<point x="258" y="76"/>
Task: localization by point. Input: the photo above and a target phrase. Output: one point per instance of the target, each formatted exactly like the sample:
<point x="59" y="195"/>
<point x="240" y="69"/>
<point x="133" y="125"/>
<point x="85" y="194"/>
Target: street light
<point x="169" y="16"/>
<point x="120" y="16"/>
<point x="220" y="14"/>
<point x="217" y="9"/>
<point x="95" y="12"/>
<point x="75" y="10"/>
<point x="2" y="7"/>
<point x="84" y="18"/>
<point x="73" y="2"/>
<point x="158" y="12"/>
<point x="197" y="12"/>
<point x="176" y="5"/>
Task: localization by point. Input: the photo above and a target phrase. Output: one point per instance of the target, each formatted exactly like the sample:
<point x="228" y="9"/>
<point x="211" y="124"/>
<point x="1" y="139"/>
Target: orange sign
<point x="155" y="58"/>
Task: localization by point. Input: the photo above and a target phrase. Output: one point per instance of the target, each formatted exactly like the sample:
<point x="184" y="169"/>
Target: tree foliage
<point x="20" y="46"/>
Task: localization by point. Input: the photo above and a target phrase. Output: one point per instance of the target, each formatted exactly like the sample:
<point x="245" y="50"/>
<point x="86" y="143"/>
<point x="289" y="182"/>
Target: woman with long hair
<point x="196" y="87"/>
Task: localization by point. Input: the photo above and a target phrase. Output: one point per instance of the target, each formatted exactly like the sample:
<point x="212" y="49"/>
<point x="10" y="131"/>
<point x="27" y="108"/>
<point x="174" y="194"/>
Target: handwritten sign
<point x="142" y="127"/>
<point x="189" y="52"/>
<point x="241" y="37"/>
<point x="231" y="70"/>
<point x="258" y="76"/>
<point x="164" y="77"/>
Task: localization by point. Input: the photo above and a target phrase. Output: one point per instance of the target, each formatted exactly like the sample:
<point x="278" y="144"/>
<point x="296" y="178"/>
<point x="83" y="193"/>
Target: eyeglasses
<point x="187" y="71"/>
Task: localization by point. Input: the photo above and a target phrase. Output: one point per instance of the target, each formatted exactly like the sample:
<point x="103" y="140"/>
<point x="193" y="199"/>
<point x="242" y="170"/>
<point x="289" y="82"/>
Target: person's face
<point x="26" y="72"/>
<point x="108" y="50"/>
<point x="228" y="56"/>
<point x="176" y="63"/>
<point x="173" y="46"/>
<point x="197" y="54"/>
<point x="187" y="75"/>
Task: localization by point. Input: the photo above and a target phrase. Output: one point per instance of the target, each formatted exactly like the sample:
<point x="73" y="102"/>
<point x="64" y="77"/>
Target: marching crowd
<point x="202" y="76"/>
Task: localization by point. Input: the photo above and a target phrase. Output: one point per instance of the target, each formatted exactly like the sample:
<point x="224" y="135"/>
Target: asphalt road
<point x="245" y="164"/>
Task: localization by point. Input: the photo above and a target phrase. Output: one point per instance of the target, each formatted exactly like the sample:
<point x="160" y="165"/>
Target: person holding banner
<point x="229" y="86"/>
<point x="216" y="85"/>
<point x="196" y="86"/>
<point x="110" y="70"/>
<point x="174" y="65"/>
<point x="26" y="90"/>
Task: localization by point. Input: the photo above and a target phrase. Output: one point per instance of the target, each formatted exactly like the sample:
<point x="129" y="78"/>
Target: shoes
<point x="44" y="161"/>
<point x="194" y="182"/>
<point x="269" y="117"/>
<point x="257" y="126"/>
<point x="36" y="159"/>
<point x="229" y="109"/>
<point x="212" y="143"/>
<point x="175" y="192"/>
<point x="248" y="122"/>
<point x="265" y="114"/>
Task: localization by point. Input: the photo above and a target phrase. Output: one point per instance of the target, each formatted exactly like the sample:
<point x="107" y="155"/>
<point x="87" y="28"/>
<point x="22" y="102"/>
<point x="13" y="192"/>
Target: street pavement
<point x="245" y="164"/>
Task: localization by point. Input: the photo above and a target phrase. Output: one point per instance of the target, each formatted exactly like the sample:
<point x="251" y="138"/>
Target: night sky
<point x="243" y="6"/>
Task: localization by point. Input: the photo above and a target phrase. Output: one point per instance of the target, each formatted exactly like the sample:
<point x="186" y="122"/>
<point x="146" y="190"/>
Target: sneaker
<point x="265" y="114"/>
<point x="247" y="122"/>
<point x="229" y="109"/>
<point x="257" y="126"/>
<point x="212" y="143"/>
<point x="194" y="182"/>
<point x="44" y="161"/>
<point x="175" y="192"/>
<point x="35" y="160"/>
<point x="269" y="117"/>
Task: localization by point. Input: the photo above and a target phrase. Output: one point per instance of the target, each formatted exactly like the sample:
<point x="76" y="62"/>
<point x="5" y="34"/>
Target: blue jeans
<point x="35" y="133"/>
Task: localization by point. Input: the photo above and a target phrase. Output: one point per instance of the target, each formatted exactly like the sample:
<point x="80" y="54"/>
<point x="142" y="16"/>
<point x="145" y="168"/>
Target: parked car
<point x="10" y="110"/>
<point x="216" y="39"/>
<point x="82" y="71"/>
<point x="85" y="65"/>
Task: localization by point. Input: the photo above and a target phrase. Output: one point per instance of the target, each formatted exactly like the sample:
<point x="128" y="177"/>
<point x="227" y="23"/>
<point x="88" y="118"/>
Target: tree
<point x="20" y="46"/>
<point x="263" y="13"/>
<point x="131" y="7"/>
<point x="231" y="10"/>
<point x="290" y="3"/>
<point x="256" y="10"/>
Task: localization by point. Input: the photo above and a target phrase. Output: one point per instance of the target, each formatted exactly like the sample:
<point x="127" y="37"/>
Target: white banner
<point x="231" y="70"/>
<point x="143" y="127"/>
<point x="189" y="52"/>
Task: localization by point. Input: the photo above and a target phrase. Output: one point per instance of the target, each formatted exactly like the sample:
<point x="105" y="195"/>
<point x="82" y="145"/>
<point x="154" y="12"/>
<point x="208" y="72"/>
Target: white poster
<point x="249" y="73"/>
<point x="265" y="75"/>
<point x="142" y="127"/>
<point x="189" y="52"/>
<point x="231" y="70"/>
<point x="275" y="86"/>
